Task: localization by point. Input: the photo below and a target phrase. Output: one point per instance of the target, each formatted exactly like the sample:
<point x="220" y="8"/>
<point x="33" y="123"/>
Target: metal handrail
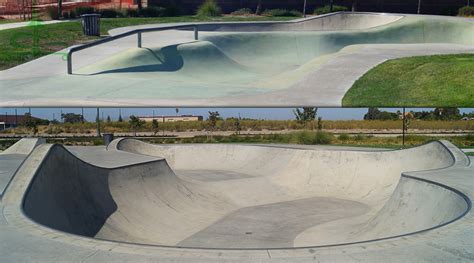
<point x="138" y="32"/>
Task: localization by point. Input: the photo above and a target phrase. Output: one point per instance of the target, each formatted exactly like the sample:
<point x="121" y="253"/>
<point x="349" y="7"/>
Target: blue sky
<point x="256" y="113"/>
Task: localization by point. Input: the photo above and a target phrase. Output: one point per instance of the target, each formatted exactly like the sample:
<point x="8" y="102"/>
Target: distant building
<point x="12" y="121"/>
<point x="172" y="118"/>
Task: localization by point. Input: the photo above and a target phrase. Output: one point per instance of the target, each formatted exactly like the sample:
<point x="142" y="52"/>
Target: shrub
<point x="281" y="12"/>
<point x="131" y="13"/>
<point x="209" y="8"/>
<point x="466" y="11"/>
<point x="72" y="14"/>
<point x="359" y="137"/>
<point x="323" y="138"/>
<point x="327" y="9"/>
<point x="153" y="11"/>
<point x="81" y="10"/>
<point x="344" y="137"/>
<point x="52" y="12"/>
<point x="172" y="10"/>
<point x="110" y="13"/>
<point x="242" y="12"/>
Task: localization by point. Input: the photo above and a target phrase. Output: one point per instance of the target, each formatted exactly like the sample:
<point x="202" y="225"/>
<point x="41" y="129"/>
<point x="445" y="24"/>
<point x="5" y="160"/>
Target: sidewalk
<point x="26" y="23"/>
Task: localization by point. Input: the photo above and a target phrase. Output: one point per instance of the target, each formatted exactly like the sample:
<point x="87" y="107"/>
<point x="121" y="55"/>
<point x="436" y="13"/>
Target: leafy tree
<point x="108" y="118"/>
<point x="320" y="123"/>
<point x="71" y="118"/>
<point x="135" y="123"/>
<point x="376" y="114"/>
<point x="238" y="126"/>
<point x="212" y="120"/>
<point x="30" y="123"/>
<point x="154" y="126"/>
<point x="447" y="113"/>
<point x="120" y="118"/>
<point x="307" y="115"/>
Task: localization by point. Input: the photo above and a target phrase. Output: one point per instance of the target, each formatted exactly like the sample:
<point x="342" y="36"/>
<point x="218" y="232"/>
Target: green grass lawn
<point x="435" y="81"/>
<point x="470" y="154"/>
<point x="20" y="45"/>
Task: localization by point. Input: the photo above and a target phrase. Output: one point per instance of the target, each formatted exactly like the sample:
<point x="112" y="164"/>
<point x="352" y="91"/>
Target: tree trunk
<point x="354" y="5"/>
<point x="139" y="3"/>
<point x="419" y="6"/>
<point x="331" y="5"/>
<point x="258" y="10"/>
<point x="60" y="9"/>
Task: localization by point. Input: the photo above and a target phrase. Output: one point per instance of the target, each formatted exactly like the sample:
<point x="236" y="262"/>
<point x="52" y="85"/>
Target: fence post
<point x="196" y="36"/>
<point x="139" y="39"/>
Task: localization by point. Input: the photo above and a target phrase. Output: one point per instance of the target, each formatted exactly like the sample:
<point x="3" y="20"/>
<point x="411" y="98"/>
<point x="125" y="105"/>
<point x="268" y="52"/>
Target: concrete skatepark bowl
<point x="312" y="61"/>
<point x="138" y="201"/>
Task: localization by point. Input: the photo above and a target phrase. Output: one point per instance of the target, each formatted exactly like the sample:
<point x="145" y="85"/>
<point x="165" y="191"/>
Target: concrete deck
<point x="293" y="204"/>
<point x="307" y="62"/>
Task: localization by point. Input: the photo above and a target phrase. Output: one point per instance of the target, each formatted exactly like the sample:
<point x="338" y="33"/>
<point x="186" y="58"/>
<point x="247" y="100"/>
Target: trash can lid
<point x="84" y="15"/>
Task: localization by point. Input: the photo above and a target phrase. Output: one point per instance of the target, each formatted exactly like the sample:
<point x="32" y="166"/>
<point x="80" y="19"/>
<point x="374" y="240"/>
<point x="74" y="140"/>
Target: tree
<point x="354" y="5"/>
<point x="447" y="113"/>
<point x="30" y="123"/>
<point x="307" y="115"/>
<point x="419" y="7"/>
<point x="60" y="9"/>
<point x="238" y="126"/>
<point x="212" y="120"/>
<point x="71" y="117"/>
<point x="139" y="6"/>
<point x="258" y="10"/>
<point x="108" y="118"/>
<point x="331" y="5"/>
<point x="135" y="123"/>
<point x="376" y="114"/>
<point x="154" y="126"/>
<point x="320" y="123"/>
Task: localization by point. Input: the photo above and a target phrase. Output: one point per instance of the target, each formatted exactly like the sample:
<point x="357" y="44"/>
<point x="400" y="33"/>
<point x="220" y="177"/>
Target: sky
<point x="255" y="113"/>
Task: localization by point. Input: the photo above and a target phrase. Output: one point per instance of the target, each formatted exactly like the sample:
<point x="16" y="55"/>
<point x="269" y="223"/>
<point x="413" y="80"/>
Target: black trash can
<point x="91" y="24"/>
<point x="108" y="137"/>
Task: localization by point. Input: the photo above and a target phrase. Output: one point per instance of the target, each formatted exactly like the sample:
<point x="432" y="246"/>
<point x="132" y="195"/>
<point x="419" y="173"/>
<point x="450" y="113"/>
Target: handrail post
<point x="139" y="39"/>
<point x="196" y="32"/>
<point x="69" y="62"/>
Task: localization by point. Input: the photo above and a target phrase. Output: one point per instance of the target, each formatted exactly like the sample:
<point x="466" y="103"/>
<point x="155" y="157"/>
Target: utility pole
<point x="82" y="115"/>
<point x="16" y="117"/>
<point x="98" y="123"/>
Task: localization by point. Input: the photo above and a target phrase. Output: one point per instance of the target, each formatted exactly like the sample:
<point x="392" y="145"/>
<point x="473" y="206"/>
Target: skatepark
<point x="310" y="61"/>
<point x="133" y="200"/>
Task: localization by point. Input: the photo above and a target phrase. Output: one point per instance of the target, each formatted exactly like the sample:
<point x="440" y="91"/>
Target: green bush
<point x="242" y="12"/>
<point x="110" y="13"/>
<point x="344" y="137"/>
<point x="323" y="138"/>
<point x="153" y="11"/>
<point x="81" y="10"/>
<point x="172" y="10"/>
<point x="131" y="12"/>
<point x="327" y="9"/>
<point x="281" y="12"/>
<point x="466" y="11"/>
<point x="72" y="14"/>
<point x="209" y="8"/>
<point x="359" y="137"/>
